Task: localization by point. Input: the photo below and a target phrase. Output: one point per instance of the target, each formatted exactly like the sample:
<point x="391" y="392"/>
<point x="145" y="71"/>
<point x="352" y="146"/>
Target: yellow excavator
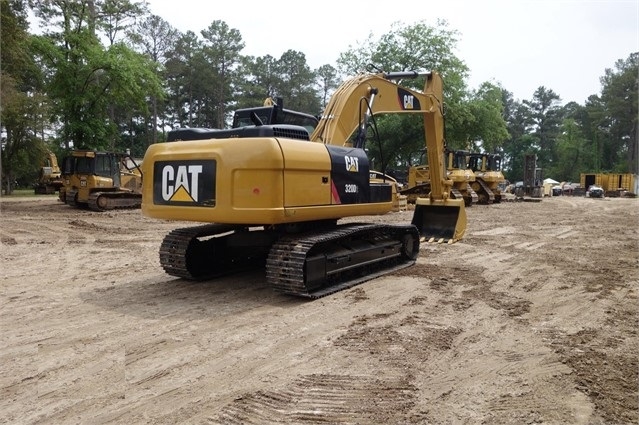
<point x="49" y="178"/>
<point x="101" y="181"/>
<point x="272" y="195"/>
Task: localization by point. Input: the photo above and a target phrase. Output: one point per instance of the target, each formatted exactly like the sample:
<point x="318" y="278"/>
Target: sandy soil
<point x="531" y="319"/>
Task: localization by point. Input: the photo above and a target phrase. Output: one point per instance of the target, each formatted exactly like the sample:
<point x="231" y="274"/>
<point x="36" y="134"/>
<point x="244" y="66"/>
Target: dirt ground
<point x="530" y="319"/>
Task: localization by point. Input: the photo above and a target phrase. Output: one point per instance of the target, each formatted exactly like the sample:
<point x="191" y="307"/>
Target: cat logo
<point x="352" y="164"/>
<point x="180" y="185"/>
<point x="408" y="101"/>
<point x="184" y="183"/>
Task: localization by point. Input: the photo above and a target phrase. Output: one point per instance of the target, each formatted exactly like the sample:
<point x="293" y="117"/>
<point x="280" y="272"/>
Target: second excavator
<point x="272" y="195"/>
<point x="49" y="178"/>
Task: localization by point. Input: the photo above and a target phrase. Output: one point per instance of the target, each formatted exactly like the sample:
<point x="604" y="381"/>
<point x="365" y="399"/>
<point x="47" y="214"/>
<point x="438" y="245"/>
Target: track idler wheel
<point x="410" y="246"/>
<point x="102" y="202"/>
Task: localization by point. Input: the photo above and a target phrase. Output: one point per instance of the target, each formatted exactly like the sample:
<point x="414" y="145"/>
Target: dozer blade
<point x="440" y="221"/>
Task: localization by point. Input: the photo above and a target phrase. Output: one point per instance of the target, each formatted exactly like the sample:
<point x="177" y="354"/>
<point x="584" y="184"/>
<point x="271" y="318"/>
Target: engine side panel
<point x="257" y="181"/>
<point x="307" y="172"/>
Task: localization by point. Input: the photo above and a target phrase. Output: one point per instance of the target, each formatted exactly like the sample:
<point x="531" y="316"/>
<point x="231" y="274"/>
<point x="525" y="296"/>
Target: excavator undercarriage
<point x="309" y="264"/>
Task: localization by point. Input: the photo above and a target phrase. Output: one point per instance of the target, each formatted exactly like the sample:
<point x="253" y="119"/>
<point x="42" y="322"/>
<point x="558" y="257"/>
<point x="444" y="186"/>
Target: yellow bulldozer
<point x="456" y="170"/>
<point x="488" y="176"/>
<point x="274" y="195"/>
<point x="101" y="181"/>
<point x="462" y="176"/>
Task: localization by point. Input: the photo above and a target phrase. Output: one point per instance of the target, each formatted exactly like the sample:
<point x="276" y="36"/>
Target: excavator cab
<point x="273" y="112"/>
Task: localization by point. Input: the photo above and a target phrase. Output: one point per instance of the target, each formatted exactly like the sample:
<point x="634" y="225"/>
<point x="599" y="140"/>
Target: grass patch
<point x="17" y="193"/>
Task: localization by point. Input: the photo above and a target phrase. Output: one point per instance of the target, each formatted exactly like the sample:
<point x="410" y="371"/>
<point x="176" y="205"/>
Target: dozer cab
<point x="101" y="180"/>
<point x="488" y="176"/>
<point x="461" y="175"/>
<point x="272" y="195"/>
<point x="418" y="181"/>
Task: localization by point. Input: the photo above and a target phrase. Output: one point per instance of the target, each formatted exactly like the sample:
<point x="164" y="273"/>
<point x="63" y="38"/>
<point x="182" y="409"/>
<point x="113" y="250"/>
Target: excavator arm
<point x="360" y="97"/>
<point x="439" y="217"/>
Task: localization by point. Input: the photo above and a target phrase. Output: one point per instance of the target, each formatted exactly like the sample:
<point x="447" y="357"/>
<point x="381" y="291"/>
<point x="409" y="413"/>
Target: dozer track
<point x="470" y="199"/>
<point x="486" y="195"/>
<point x="103" y="201"/>
<point x="414" y="192"/>
<point x="320" y="263"/>
<point x="70" y="196"/>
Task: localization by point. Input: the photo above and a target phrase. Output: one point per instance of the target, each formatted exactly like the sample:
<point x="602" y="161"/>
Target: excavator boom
<point x="438" y="216"/>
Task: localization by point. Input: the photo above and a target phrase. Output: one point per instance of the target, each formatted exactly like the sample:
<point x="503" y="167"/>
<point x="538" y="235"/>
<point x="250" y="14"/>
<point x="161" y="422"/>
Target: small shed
<point x="548" y="185"/>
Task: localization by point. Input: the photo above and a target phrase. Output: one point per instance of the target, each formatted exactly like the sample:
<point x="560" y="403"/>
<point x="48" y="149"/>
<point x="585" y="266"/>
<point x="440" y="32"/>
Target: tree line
<point x="111" y="75"/>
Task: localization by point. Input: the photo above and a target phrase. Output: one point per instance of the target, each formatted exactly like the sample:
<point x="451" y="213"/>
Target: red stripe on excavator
<point x="335" y="194"/>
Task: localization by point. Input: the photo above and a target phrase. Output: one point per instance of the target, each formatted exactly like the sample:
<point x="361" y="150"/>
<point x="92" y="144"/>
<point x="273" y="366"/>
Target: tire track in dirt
<point x="490" y="280"/>
<point x="600" y="378"/>
<point x="485" y="330"/>
<point x="321" y="398"/>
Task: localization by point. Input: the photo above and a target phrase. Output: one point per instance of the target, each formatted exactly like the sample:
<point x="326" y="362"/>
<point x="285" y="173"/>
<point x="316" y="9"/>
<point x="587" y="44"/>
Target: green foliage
<point x="619" y="95"/>
<point x="534" y="127"/>
<point x="394" y="145"/>
<point x="21" y="106"/>
<point x="544" y="111"/>
<point x="22" y="151"/>
<point x="297" y="83"/>
<point x="221" y="50"/>
<point x="86" y="82"/>
<point x="419" y="46"/>
<point x="118" y="16"/>
<point x="78" y="82"/>
<point x="327" y="81"/>
<point x="259" y="81"/>
<point x="479" y="124"/>
<point x="518" y="149"/>
<point x="573" y="152"/>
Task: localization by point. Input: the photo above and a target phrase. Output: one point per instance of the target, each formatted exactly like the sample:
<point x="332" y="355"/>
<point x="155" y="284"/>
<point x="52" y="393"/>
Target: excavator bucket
<point x="440" y="221"/>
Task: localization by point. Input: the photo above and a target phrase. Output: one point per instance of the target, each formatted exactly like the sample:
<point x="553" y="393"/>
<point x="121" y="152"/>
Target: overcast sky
<point x="564" y="45"/>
